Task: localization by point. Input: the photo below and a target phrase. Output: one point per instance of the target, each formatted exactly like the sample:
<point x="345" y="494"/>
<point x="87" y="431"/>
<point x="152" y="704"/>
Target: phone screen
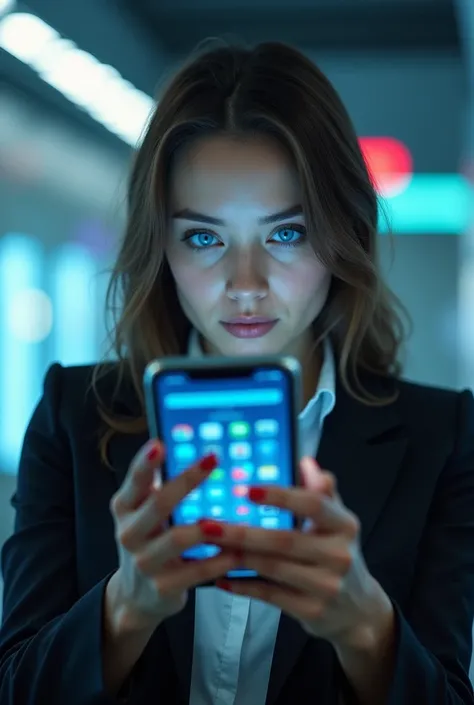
<point x="243" y="416"/>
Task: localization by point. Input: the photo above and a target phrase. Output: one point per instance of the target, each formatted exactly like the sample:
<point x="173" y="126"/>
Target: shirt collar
<point x="324" y="397"/>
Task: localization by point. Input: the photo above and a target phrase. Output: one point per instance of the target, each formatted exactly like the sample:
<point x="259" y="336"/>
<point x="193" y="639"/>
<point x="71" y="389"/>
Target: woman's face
<point x="246" y="275"/>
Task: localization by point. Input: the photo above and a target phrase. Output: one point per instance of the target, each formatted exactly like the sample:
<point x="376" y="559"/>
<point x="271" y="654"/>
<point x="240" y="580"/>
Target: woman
<point x="249" y="201"/>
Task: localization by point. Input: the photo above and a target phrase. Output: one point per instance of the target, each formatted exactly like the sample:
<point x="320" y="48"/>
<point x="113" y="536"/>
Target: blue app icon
<point x="268" y="449"/>
<point x="215" y="493"/>
<point x="190" y="511"/>
<point x="185" y="452"/>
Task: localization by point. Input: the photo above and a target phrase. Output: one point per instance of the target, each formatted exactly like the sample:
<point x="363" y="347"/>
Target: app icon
<point x="266" y="427"/>
<point x="242" y="473"/>
<point x="268" y="449"/>
<point x="268" y="511"/>
<point x="242" y="510"/>
<point x="185" y="452"/>
<point x="212" y="448"/>
<point x="190" y="511"/>
<point x="240" y="451"/>
<point x="239" y="429"/>
<point x="216" y="493"/>
<point x="194" y="495"/>
<point x="211" y="431"/>
<point x="182" y="432"/>
<point x="268" y="472"/>
<point x="240" y="490"/>
<point x="217" y="475"/>
<point x="269" y="522"/>
<point x="217" y="511"/>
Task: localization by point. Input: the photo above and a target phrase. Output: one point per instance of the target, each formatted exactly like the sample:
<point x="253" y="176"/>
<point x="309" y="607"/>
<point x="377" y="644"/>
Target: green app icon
<point x="217" y="475"/>
<point x="239" y="429"/>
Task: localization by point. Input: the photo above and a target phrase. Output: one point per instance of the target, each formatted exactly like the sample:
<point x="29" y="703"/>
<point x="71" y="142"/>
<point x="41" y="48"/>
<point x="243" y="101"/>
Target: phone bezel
<point x="225" y="367"/>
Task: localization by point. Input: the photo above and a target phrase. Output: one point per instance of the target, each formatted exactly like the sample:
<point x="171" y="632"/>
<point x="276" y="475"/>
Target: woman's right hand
<point x="152" y="580"/>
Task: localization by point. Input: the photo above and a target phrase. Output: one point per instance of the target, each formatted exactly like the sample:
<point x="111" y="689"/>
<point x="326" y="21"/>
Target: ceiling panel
<point x="340" y="25"/>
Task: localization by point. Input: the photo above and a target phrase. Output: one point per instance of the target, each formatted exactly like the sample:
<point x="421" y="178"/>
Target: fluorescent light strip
<point x="97" y="88"/>
<point x="74" y="295"/>
<point x="21" y="369"/>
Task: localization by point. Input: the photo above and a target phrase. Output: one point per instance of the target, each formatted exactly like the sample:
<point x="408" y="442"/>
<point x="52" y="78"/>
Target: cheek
<point x="191" y="279"/>
<point x="305" y="285"/>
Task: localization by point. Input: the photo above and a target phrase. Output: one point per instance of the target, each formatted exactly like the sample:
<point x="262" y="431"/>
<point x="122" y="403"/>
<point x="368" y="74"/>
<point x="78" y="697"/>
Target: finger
<point x="331" y="551"/>
<point x="316" y="480"/>
<point x="328" y="512"/>
<point x="169" y="545"/>
<point x="139" y="478"/>
<point x="149" y="518"/>
<point x="303" y="607"/>
<point x="193" y="573"/>
<point x="172" y="492"/>
<point x="317" y="581"/>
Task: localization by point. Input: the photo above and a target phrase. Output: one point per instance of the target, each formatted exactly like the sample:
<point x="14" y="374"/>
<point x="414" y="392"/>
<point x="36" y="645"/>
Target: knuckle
<point x="125" y="536"/>
<point x="115" y="504"/>
<point x="353" y="526"/>
<point x="141" y="563"/>
<point x="178" y="538"/>
<point x="343" y="561"/>
<point x="333" y="587"/>
<point x="314" y="611"/>
<point x="285" y="542"/>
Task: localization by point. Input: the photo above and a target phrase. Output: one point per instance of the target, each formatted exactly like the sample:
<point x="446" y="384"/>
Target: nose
<point x="246" y="281"/>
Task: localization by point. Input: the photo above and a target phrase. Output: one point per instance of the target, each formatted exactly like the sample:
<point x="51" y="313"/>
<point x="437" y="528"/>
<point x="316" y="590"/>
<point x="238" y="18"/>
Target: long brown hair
<point x="274" y="90"/>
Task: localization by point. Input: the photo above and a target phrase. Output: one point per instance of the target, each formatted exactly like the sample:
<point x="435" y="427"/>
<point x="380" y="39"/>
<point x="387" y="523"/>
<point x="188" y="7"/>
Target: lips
<point x="249" y="326"/>
<point x="249" y="320"/>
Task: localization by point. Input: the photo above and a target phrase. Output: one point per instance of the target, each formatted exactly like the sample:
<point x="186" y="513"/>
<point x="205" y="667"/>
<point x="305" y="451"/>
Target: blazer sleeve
<point x="434" y="640"/>
<point x="50" y="639"/>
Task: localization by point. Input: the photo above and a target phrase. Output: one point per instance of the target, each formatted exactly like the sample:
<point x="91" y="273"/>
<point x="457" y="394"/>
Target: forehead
<point x="220" y="170"/>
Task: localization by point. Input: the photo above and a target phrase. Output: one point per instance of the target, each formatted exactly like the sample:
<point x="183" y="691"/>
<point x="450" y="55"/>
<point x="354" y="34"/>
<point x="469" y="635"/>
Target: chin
<point x="254" y="346"/>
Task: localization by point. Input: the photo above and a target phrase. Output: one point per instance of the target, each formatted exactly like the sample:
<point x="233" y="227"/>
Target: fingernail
<point x="257" y="494"/>
<point x="224" y="585"/>
<point x="211" y="528"/>
<point x="208" y="463"/>
<point x="153" y="453"/>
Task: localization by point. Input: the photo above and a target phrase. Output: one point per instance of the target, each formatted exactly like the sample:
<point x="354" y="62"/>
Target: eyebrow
<point x="188" y="214"/>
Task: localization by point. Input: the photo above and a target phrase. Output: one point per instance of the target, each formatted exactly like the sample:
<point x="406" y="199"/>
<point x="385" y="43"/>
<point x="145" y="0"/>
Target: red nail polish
<point x="257" y="494"/>
<point x="208" y="463"/>
<point x="224" y="585"/>
<point x="153" y="454"/>
<point x="211" y="528"/>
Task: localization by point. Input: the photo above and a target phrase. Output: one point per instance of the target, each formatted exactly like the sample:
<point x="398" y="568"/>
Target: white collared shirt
<point x="234" y="636"/>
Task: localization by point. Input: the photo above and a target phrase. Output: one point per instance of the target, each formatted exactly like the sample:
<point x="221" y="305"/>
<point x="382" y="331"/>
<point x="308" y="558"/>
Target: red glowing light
<point x="389" y="162"/>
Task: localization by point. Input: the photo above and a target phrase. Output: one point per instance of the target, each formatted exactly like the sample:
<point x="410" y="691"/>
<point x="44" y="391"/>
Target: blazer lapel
<point x="363" y="446"/>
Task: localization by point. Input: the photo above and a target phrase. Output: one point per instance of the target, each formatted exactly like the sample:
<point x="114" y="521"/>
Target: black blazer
<point x="406" y="470"/>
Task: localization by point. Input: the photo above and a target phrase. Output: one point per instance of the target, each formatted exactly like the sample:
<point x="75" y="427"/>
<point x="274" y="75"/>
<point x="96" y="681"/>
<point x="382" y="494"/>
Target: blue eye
<point x="289" y="236"/>
<point x="200" y="240"/>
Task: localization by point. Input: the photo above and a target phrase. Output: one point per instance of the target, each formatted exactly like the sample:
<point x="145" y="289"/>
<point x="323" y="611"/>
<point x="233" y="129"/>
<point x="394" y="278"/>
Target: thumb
<point x="315" y="479"/>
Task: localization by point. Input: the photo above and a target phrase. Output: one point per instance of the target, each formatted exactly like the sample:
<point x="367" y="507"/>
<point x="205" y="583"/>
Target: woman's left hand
<point x="317" y="574"/>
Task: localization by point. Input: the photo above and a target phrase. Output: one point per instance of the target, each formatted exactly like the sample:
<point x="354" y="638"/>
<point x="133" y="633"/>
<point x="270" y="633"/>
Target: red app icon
<point x="240" y="474"/>
<point x="240" y="490"/>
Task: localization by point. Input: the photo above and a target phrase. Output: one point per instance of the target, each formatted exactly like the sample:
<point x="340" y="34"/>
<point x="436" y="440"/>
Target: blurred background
<point x="77" y="82"/>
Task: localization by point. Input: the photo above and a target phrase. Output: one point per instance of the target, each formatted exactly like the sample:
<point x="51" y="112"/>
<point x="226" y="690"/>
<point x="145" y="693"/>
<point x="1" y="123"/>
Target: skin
<point x="244" y="265"/>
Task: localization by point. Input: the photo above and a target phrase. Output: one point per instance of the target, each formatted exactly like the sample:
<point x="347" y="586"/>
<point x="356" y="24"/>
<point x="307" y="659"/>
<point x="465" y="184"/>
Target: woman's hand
<point x="317" y="574"/>
<point x="152" y="580"/>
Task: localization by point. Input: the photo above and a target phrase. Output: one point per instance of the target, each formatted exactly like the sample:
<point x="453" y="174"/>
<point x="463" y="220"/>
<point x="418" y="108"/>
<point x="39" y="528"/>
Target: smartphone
<point x="245" y="410"/>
